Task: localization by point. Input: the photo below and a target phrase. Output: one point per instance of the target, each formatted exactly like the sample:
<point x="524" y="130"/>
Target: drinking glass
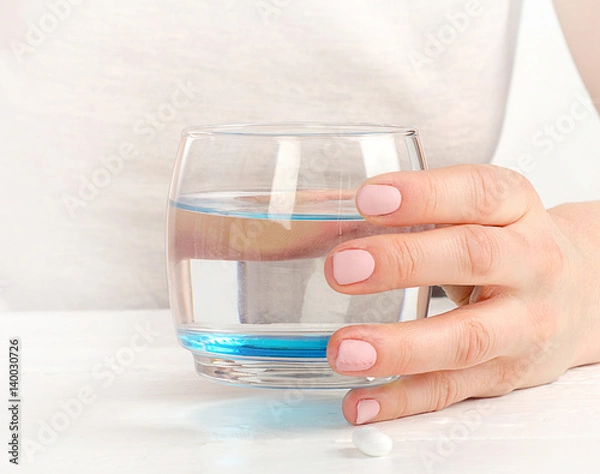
<point x="253" y="211"/>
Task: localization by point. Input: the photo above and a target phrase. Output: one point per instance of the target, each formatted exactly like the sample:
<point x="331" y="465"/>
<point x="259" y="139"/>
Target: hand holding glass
<point x="254" y="210"/>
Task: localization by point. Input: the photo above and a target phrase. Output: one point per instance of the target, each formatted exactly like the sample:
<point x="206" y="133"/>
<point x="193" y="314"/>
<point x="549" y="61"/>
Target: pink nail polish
<point x="378" y="200"/>
<point x="366" y="410"/>
<point x="354" y="356"/>
<point x="352" y="266"/>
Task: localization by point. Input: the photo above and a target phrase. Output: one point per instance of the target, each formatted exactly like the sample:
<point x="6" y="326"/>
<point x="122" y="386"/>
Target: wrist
<point x="579" y="226"/>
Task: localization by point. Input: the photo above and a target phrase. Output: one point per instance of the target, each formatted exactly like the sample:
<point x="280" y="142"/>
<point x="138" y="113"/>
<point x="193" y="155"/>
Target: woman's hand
<point x="526" y="282"/>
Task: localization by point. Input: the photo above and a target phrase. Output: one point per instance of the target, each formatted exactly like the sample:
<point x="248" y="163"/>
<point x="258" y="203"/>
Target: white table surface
<point x="157" y="416"/>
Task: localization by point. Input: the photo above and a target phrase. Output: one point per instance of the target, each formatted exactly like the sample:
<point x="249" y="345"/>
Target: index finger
<point x="461" y="194"/>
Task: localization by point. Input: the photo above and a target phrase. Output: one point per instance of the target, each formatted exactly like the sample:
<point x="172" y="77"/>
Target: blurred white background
<point x="546" y="86"/>
<point x="83" y="95"/>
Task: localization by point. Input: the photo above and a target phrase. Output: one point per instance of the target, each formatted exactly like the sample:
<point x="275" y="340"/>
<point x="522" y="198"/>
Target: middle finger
<point x="456" y="255"/>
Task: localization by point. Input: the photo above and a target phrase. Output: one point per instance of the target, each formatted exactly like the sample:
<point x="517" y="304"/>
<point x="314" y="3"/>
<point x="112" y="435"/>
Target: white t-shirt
<point x="83" y="228"/>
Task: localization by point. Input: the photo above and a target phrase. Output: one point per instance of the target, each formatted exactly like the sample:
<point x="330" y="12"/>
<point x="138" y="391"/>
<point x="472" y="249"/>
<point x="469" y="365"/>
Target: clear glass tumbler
<point x="253" y="211"/>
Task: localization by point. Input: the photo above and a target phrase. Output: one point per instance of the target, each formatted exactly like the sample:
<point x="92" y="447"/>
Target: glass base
<point x="279" y="373"/>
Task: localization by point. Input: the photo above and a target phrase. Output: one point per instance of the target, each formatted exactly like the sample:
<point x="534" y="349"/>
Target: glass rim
<point x="301" y="129"/>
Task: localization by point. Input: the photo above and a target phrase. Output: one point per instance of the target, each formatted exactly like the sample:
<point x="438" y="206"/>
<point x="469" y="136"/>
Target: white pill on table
<point x="372" y="442"/>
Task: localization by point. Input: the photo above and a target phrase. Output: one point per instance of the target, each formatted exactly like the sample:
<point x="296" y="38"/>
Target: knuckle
<point x="516" y="184"/>
<point x="403" y="358"/>
<point x="518" y="181"/>
<point x="551" y="261"/>
<point x="490" y="185"/>
<point x="521" y="182"/>
<point x="544" y="325"/>
<point x="482" y="250"/>
<point x="553" y="268"/>
<point x="510" y="377"/>
<point x="405" y="257"/>
<point x="445" y="390"/>
<point x="484" y="189"/>
<point x="526" y="191"/>
<point x="475" y="344"/>
<point x="431" y="205"/>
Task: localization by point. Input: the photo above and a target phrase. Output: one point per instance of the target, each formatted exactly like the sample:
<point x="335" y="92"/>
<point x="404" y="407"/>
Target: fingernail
<point x="354" y="356"/>
<point x="367" y="410"/>
<point x="352" y="266"/>
<point x="378" y="200"/>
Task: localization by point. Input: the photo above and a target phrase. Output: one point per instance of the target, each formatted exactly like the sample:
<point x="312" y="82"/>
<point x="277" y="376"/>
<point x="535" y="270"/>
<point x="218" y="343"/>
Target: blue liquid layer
<point x="242" y="345"/>
<point x="241" y="205"/>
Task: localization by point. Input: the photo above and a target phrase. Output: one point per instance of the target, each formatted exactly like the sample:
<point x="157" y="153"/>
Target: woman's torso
<point x="136" y="73"/>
